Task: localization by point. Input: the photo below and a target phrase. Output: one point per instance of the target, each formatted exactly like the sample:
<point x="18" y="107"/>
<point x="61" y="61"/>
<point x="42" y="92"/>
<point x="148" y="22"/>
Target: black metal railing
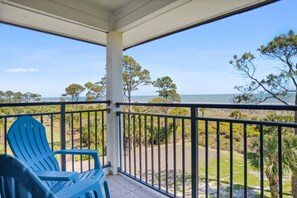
<point x="177" y="150"/>
<point x="69" y="125"/>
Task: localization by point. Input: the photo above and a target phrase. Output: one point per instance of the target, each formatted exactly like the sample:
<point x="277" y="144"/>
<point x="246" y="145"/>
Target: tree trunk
<point x="294" y="185"/>
<point x="273" y="184"/>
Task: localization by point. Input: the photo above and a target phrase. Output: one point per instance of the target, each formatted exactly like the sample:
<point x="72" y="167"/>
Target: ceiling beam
<point x="74" y="11"/>
<point x="191" y="14"/>
<point x="23" y="17"/>
<point x="140" y="11"/>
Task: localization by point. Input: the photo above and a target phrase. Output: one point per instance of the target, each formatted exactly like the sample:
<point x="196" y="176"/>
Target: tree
<point x="133" y="76"/>
<point x="166" y="88"/>
<point x="74" y="90"/>
<point x="1" y="96"/>
<point x="237" y="115"/>
<point x="35" y="96"/>
<point x="8" y="95"/>
<point x="18" y="97"/>
<point x="95" y="91"/>
<point x="270" y="156"/>
<point x="164" y="110"/>
<point x="282" y="48"/>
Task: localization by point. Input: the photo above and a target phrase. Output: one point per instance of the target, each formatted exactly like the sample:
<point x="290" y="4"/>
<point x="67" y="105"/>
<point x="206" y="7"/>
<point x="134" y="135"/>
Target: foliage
<point x="10" y="96"/>
<point x="160" y="134"/>
<point x="237" y="115"/>
<point x="89" y="133"/>
<point x="282" y="48"/>
<point x="74" y="90"/>
<point x="167" y="89"/>
<point x="95" y="91"/>
<point x="270" y="157"/>
<point x="273" y="117"/>
<point x="159" y="109"/>
<point x="133" y="76"/>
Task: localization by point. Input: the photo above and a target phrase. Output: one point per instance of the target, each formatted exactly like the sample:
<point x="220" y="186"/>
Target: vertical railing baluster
<point x="52" y="132"/>
<point x="72" y="140"/>
<point x="206" y="158"/>
<point x="129" y="142"/>
<point x="166" y="153"/>
<point x="280" y="162"/>
<point x="218" y="159"/>
<point x="89" y="139"/>
<point x="152" y="149"/>
<point x="80" y="139"/>
<point x="145" y="142"/>
<point x="183" y="157"/>
<point x="134" y="145"/>
<point x="231" y="159"/>
<point x="261" y="160"/>
<point x="121" y="140"/>
<point x="96" y="134"/>
<point x="140" y="145"/>
<point x="125" y="142"/>
<point x="159" y="155"/>
<point x="103" y="136"/>
<point x="174" y="156"/>
<point x="194" y="153"/>
<point x="245" y="160"/>
<point x="5" y="132"/>
<point x="96" y="130"/>
<point x="63" y="135"/>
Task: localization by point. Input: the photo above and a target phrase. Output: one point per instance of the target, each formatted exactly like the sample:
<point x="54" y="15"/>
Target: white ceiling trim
<point x="29" y="18"/>
<point x="140" y="21"/>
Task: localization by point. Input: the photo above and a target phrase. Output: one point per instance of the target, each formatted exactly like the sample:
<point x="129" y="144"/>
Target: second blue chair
<point x="27" y="140"/>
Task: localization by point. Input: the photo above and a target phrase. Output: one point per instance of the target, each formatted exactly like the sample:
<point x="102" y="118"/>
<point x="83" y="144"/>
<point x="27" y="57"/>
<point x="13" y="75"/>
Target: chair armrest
<point x="93" y="153"/>
<point x="57" y="176"/>
<point x="81" y="188"/>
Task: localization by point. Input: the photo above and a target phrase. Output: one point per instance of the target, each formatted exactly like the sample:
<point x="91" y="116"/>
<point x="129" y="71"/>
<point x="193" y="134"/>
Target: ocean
<point x="212" y="98"/>
<point x="203" y="98"/>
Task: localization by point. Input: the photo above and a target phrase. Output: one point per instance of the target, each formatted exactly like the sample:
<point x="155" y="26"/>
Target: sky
<point x="197" y="59"/>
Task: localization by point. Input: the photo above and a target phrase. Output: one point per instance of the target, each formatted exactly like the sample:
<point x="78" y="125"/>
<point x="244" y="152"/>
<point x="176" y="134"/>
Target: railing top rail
<point x="23" y="104"/>
<point x="216" y="106"/>
<point x="229" y="120"/>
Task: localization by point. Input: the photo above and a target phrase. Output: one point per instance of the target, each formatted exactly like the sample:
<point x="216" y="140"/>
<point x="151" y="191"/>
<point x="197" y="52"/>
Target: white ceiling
<point x="139" y="20"/>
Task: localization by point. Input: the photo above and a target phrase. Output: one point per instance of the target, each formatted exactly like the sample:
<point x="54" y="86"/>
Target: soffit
<point x="139" y="20"/>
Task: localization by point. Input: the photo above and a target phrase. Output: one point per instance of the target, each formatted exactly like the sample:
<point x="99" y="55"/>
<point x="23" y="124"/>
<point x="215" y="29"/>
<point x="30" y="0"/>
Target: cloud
<point x="21" y="70"/>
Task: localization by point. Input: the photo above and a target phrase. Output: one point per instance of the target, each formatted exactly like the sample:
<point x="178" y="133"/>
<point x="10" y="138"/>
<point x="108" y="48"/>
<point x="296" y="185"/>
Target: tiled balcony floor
<point x="123" y="187"/>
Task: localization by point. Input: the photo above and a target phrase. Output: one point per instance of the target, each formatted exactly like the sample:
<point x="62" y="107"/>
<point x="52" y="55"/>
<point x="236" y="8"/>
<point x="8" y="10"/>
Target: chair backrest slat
<point x="27" y="140"/>
<point x="16" y="180"/>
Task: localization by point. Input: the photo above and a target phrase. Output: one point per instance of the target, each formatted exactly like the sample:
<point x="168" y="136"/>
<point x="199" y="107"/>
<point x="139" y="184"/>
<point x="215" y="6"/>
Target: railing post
<point x="63" y="136"/>
<point x="194" y="152"/>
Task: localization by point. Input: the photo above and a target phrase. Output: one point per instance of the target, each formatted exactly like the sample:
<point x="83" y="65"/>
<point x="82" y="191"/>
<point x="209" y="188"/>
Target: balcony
<point x="168" y="149"/>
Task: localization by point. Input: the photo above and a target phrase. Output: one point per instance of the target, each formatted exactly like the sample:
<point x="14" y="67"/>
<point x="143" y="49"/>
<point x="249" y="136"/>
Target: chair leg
<point x="106" y="189"/>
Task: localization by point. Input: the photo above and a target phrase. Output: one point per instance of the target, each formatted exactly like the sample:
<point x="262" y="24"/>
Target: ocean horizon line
<point x="192" y="98"/>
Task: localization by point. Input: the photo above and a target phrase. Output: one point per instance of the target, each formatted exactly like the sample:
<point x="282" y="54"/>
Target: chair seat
<point x="91" y="174"/>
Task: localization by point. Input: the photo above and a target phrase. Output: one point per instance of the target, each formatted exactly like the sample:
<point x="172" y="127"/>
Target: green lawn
<point x="238" y="174"/>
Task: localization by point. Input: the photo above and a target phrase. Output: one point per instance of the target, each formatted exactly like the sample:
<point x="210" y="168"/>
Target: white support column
<point x="114" y="89"/>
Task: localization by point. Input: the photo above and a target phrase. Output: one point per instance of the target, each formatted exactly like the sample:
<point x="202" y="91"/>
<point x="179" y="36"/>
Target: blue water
<point x="211" y="98"/>
<point x="207" y="98"/>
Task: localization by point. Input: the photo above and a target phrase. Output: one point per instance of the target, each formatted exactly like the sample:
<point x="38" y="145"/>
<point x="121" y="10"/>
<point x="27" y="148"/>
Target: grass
<point x="253" y="177"/>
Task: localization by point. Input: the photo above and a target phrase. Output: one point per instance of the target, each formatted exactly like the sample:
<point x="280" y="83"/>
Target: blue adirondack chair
<point x="27" y="140"/>
<point x="17" y="180"/>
